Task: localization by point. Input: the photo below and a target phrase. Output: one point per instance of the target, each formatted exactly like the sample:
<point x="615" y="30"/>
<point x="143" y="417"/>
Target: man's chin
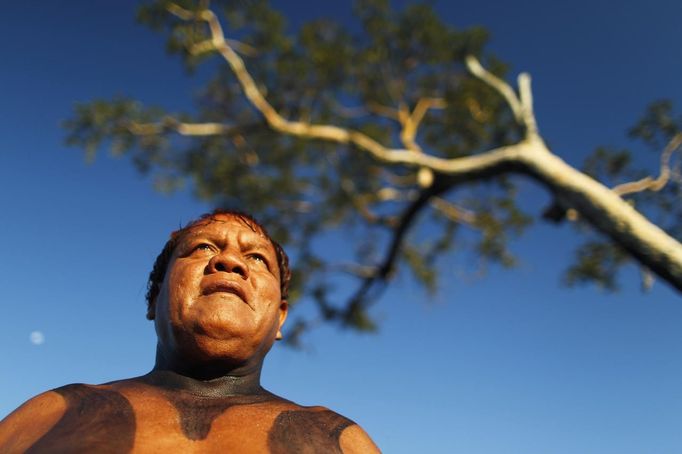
<point x="222" y="348"/>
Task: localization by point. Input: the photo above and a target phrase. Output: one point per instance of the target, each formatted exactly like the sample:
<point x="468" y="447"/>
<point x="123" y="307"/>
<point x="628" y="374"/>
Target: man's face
<point x="220" y="300"/>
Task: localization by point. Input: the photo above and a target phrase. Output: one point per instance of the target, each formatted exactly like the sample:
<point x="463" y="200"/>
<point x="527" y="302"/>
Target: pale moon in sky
<point x="37" y="338"/>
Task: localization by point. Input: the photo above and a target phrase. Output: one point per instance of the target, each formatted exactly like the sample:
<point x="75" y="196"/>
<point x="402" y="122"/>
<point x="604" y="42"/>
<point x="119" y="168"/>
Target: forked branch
<point x="460" y="166"/>
<point x="410" y="121"/>
<point x="521" y="106"/>
<point x="599" y="205"/>
<point x="382" y="273"/>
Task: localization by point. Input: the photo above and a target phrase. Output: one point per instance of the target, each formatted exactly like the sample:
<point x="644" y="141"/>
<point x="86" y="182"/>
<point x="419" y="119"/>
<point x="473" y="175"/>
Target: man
<point x="217" y="295"/>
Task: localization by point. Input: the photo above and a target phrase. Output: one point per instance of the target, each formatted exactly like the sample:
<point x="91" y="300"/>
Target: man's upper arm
<point x="355" y="440"/>
<point x="21" y="428"/>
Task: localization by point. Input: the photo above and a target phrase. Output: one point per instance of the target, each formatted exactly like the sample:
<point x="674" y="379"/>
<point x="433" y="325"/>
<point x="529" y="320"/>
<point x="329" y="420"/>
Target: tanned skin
<point x="218" y="312"/>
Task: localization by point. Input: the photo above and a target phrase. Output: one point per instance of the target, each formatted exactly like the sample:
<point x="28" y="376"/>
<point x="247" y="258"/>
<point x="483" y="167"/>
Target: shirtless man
<point x="217" y="295"/>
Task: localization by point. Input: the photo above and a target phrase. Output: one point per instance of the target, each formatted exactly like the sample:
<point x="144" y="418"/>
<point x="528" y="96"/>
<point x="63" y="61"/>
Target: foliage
<point x="599" y="260"/>
<point x="369" y="78"/>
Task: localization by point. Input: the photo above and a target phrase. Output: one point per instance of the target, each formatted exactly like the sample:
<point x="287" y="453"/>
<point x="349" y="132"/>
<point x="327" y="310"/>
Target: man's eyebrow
<point x="256" y="242"/>
<point x="250" y="242"/>
<point x="195" y="234"/>
<point x="192" y="234"/>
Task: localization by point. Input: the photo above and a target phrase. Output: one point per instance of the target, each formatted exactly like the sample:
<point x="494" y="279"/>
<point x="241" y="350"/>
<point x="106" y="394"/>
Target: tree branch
<point x="527" y="105"/>
<point x="609" y="213"/>
<point x="453" y="212"/>
<point x="410" y="121"/>
<point x="649" y="183"/>
<point x="362" y="202"/>
<point x="383" y="111"/>
<point x="182" y="128"/>
<point x="602" y="207"/>
<point x="257" y="99"/>
<point x="208" y="46"/>
<point x="383" y="271"/>
<point x="522" y="107"/>
<point x="490" y="161"/>
<point x="181" y="12"/>
<point x="354" y="269"/>
<point x="349" y="112"/>
<point x="475" y="68"/>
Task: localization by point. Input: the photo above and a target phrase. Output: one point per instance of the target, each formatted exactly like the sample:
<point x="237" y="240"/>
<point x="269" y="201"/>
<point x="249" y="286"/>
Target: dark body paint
<point x="293" y="431"/>
<point x="198" y="412"/>
<point x="307" y="431"/>
<point x="103" y="421"/>
<point x="198" y="404"/>
<point x="95" y="420"/>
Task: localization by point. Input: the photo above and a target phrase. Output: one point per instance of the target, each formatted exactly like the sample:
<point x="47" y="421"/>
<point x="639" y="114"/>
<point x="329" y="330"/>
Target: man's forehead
<point x="227" y="223"/>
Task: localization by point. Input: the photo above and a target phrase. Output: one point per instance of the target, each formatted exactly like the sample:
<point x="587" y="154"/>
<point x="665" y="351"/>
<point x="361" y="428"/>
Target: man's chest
<point x="204" y="425"/>
<point x="108" y="421"/>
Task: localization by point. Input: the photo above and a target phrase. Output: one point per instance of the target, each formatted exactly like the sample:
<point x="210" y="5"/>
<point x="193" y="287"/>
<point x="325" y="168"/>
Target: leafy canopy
<point x="396" y="76"/>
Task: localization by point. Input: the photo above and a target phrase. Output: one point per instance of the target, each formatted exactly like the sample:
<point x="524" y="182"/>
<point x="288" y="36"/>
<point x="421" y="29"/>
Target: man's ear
<point x="283" y="310"/>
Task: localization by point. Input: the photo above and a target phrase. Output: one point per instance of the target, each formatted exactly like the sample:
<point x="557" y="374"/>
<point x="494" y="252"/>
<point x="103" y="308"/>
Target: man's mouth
<point x="224" y="287"/>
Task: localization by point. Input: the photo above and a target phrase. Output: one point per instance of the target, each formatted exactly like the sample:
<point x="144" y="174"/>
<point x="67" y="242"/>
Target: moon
<point x="37" y="338"/>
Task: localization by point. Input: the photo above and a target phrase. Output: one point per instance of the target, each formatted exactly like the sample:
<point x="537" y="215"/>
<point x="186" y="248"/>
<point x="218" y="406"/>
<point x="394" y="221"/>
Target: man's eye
<point x="202" y="247"/>
<point x="258" y="258"/>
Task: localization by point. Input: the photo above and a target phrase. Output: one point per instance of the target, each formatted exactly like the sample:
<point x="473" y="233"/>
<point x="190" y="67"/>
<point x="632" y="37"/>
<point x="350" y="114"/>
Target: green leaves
<point x="100" y="122"/>
<point x="658" y="125"/>
<point x="596" y="262"/>
<point x="321" y="73"/>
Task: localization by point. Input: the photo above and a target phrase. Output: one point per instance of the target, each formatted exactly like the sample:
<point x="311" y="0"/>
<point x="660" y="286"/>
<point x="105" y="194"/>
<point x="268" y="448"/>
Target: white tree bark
<point x="607" y="212"/>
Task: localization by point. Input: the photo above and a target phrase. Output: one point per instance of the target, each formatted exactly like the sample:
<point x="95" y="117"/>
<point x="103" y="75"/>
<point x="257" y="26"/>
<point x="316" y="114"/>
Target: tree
<point x="301" y="130"/>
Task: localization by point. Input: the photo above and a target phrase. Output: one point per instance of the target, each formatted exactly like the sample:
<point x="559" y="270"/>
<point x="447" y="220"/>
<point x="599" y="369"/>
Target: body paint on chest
<point x="95" y="420"/>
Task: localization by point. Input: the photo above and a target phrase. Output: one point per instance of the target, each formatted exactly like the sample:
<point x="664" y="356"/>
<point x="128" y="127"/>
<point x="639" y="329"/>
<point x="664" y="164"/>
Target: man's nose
<point x="228" y="262"/>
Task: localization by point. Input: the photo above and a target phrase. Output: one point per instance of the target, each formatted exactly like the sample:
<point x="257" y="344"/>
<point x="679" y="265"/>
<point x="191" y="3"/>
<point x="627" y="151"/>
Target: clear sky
<point x="509" y="363"/>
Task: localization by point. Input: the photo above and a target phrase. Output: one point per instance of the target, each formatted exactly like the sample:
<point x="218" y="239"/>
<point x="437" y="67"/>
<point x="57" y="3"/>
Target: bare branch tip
<point x="472" y="62"/>
<point x="524" y="78"/>
<point x="179" y="11"/>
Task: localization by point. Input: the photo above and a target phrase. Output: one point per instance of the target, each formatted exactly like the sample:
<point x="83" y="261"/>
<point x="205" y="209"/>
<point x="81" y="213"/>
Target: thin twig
<point x="410" y="121"/>
<point x="453" y="212"/>
<point x="649" y="183"/>
<point x="502" y="87"/>
<point x="185" y="129"/>
<point x="383" y="111"/>
<point x="349" y="112"/>
<point x="362" y="202"/>
<point x="354" y="269"/>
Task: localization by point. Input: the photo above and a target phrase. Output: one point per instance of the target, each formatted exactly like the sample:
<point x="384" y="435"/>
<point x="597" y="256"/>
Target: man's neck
<point x="199" y="402"/>
<point x="223" y="386"/>
<point x="210" y="380"/>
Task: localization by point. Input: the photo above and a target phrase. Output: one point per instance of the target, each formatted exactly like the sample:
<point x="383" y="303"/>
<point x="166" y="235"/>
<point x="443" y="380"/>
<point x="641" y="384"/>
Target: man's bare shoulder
<point x="32" y="419"/>
<point x="72" y="415"/>
<point x="317" y="426"/>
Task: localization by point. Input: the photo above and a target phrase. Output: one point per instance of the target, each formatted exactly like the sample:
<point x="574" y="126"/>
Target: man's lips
<point x="224" y="287"/>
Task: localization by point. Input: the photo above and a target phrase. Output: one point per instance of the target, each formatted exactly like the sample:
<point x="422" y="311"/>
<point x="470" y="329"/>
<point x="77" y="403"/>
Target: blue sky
<point x="509" y="363"/>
